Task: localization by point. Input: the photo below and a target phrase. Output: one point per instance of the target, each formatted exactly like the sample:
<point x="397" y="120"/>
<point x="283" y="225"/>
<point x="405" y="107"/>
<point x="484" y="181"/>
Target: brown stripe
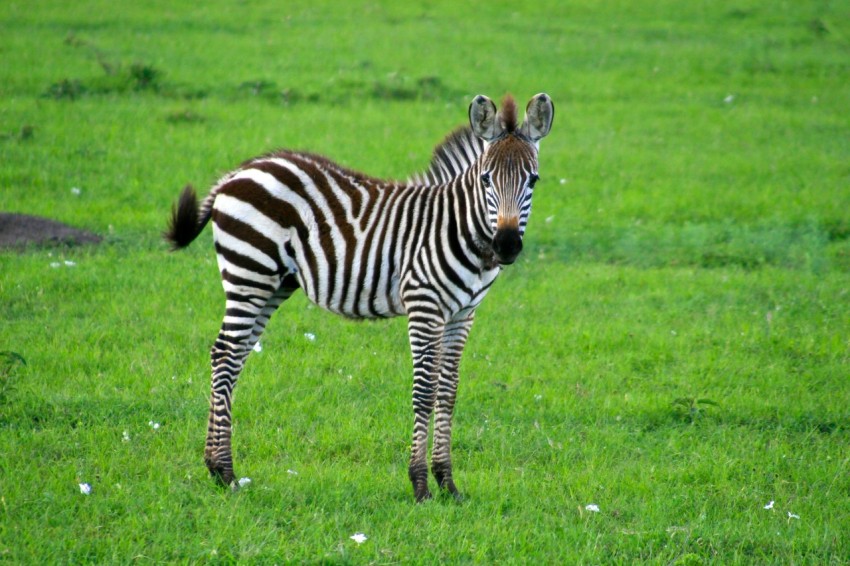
<point x="510" y="222"/>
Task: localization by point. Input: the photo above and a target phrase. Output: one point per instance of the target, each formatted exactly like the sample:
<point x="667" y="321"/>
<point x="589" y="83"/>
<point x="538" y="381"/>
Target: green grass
<point x="690" y="242"/>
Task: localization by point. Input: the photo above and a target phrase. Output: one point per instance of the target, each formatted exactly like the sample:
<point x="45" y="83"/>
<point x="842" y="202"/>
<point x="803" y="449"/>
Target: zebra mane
<point x="508" y="114"/>
<point x="451" y="158"/>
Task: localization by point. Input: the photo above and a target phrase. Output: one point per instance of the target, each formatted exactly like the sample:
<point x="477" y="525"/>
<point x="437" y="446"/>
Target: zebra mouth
<point x="507" y="245"/>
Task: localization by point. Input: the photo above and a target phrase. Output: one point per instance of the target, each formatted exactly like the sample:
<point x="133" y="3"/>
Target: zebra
<point x="429" y="248"/>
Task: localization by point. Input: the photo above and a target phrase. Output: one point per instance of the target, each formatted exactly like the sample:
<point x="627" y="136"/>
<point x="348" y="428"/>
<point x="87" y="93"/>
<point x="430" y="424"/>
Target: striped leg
<point x="426" y="334"/>
<point x="245" y="319"/>
<point x="454" y="340"/>
<point x="289" y="286"/>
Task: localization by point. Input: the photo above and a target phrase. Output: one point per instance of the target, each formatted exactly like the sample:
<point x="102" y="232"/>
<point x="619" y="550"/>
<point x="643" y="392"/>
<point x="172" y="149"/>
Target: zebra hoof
<point x="456" y="496"/>
<point x="223" y="476"/>
<point x="450" y="489"/>
<point x="224" y="479"/>
<point x="422" y="494"/>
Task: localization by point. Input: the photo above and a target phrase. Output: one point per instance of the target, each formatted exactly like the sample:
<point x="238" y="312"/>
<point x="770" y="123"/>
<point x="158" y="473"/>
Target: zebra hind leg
<point x="245" y="319"/>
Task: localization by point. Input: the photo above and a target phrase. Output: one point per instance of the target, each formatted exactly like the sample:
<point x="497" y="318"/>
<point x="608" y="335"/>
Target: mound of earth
<point x="21" y="230"/>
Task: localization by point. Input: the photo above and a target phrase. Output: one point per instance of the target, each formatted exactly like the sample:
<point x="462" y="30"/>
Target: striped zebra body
<point x="429" y="248"/>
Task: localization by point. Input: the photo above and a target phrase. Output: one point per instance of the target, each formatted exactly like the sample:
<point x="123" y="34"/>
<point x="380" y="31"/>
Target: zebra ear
<point x="538" y="117"/>
<point x="482" y="118"/>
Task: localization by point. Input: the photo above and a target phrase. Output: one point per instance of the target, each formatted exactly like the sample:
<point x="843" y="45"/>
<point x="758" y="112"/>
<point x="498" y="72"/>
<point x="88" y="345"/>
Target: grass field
<point x="673" y="346"/>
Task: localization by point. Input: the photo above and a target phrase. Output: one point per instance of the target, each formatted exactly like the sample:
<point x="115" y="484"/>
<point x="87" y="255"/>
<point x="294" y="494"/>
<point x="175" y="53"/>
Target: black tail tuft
<point x="184" y="226"/>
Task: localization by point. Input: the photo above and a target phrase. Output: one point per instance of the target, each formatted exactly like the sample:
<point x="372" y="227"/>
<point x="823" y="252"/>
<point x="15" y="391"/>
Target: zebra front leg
<point x="454" y="340"/>
<point x="426" y="333"/>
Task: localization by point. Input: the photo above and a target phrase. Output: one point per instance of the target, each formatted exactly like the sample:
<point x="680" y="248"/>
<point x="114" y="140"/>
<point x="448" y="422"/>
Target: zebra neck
<point x="467" y="219"/>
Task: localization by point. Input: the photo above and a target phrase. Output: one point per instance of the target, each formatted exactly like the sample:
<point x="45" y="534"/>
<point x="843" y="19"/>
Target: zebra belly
<point x="342" y="289"/>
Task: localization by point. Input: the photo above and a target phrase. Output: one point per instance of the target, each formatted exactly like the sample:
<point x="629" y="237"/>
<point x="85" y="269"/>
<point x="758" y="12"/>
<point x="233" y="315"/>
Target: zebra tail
<point x="187" y="219"/>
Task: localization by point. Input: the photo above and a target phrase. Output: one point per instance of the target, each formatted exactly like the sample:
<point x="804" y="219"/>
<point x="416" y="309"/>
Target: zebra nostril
<point x="507" y="244"/>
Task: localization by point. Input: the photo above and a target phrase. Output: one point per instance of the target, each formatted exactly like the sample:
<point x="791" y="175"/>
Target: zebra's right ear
<point x="482" y="119"/>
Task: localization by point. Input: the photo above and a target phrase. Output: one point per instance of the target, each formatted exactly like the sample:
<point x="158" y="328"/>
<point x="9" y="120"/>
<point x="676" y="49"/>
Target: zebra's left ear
<point x="539" y="115"/>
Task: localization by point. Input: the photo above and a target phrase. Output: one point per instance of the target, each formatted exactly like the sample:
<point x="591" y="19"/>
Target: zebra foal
<point x="429" y="248"/>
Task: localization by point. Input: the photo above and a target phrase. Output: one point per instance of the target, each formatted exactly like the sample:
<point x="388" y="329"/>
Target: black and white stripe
<point x="429" y="248"/>
<point x="451" y="158"/>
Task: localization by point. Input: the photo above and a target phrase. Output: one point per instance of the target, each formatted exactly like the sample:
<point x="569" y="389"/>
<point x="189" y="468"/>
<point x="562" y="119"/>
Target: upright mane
<point x="454" y="155"/>
<point x="508" y="114"/>
<point x="461" y="148"/>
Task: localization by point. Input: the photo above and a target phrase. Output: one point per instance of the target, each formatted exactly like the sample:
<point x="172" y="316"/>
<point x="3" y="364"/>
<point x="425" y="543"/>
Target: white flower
<point x="359" y="538"/>
<point x="55" y="264"/>
<point x="292" y="472"/>
<point x="75" y="191"/>
<point x="793" y="516"/>
<point x="729" y="99"/>
<point x="549" y="219"/>
<point x="153" y="425"/>
<point x="563" y="181"/>
<point x="244" y="481"/>
<point x="592" y="508"/>
<point x="769" y="505"/>
<point x="258" y="347"/>
<point x="85" y="488"/>
<point x="125" y="437"/>
<point x="70" y="263"/>
<point x="310" y="336"/>
<point x="538" y="397"/>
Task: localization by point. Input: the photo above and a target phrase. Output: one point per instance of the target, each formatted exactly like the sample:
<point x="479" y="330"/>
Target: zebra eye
<point x="532" y="180"/>
<point x="485" y="180"/>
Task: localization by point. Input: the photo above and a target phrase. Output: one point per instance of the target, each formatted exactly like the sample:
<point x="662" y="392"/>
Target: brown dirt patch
<point x="21" y="230"/>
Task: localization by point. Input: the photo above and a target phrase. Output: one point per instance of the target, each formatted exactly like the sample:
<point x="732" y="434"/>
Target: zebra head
<point x="507" y="170"/>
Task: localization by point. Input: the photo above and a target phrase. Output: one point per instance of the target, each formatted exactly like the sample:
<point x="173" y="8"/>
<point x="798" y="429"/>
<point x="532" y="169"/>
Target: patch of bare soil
<point x="17" y="231"/>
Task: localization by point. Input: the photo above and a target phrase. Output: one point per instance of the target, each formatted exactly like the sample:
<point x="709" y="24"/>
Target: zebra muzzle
<point x="507" y="244"/>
